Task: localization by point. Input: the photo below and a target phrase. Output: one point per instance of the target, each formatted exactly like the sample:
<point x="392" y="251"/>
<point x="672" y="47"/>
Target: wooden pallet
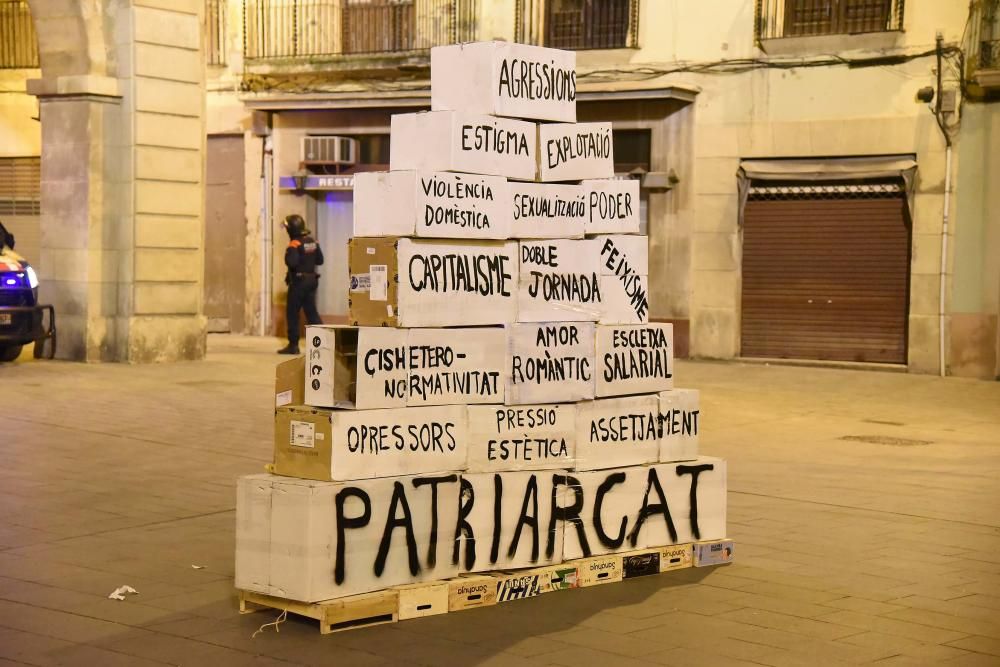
<point x="472" y="591"/>
<point x="355" y="611"/>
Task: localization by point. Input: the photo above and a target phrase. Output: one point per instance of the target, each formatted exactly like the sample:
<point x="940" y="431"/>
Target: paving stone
<point x="864" y="555"/>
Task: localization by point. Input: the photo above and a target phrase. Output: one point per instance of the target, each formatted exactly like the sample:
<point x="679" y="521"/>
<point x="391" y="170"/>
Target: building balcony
<point x="578" y="25"/>
<point x="298" y="35"/>
<point x="797" y="26"/>
<point x="983" y="44"/>
<point x="18" y="43"/>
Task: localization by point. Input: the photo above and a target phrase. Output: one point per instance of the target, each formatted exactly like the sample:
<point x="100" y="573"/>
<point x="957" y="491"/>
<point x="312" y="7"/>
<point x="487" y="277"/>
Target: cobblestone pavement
<point x="866" y="509"/>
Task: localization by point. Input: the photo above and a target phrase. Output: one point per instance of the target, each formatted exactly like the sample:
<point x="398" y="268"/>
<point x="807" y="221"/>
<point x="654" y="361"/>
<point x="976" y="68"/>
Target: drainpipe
<point x="947" y="205"/>
<point x="944" y="254"/>
<point x="265" y="234"/>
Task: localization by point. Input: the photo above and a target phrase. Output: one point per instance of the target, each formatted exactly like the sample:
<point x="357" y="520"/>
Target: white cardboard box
<point x="433" y="204"/>
<point x="547" y="210"/>
<point x="456" y="284"/>
<point x="559" y="281"/>
<point x="624" y="303"/>
<point x="550" y="362"/>
<point x="612" y="206"/>
<point x="521" y="437"/>
<point x="310" y="541"/>
<point x="506" y="516"/>
<point x="634" y="359"/>
<point x="679" y="415"/>
<point x="575" y="151"/>
<point x="342" y="445"/>
<point x="383" y="202"/>
<point x="624" y="278"/>
<point x="664" y="490"/>
<point x="381" y="367"/>
<point x="456" y="366"/>
<point x="464" y="142"/>
<point x="355" y="367"/>
<point x="615" y="432"/>
<point x="504" y="79"/>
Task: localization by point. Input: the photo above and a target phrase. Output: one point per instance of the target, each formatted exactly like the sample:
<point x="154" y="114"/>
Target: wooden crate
<point x="599" y="570"/>
<point x="564" y="576"/>
<point x="676" y="557"/>
<point x="416" y="600"/>
<point x="641" y="563"/>
<point x="523" y="584"/>
<point x="355" y="611"/>
<point x="718" y="552"/>
<point x="471" y="592"/>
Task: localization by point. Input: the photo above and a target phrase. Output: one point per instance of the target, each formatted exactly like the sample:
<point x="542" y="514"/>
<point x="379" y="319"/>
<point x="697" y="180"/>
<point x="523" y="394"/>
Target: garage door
<point x="826" y="272"/>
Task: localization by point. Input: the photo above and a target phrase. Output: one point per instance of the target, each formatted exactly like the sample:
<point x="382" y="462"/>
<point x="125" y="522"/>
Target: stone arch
<point x="71" y="36"/>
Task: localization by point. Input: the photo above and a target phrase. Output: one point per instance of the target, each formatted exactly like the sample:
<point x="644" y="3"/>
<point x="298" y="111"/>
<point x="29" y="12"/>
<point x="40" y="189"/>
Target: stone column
<point x="123" y="192"/>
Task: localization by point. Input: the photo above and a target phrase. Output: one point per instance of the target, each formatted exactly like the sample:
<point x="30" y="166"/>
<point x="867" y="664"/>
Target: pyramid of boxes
<point x="499" y="419"/>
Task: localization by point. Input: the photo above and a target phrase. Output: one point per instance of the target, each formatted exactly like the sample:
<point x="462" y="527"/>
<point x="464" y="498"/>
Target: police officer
<point x="302" y="257"/>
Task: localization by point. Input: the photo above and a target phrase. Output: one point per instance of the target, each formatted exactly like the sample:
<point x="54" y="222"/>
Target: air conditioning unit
<point x="329" y="150"/>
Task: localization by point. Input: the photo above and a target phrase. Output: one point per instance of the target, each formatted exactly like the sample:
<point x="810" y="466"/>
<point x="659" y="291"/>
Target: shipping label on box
<point x="374" y="277"/>
<point x="505" y="520"/>
<point x="323" y="540"/>
<point x="436" y="204"/>
<point x="550" y="362"/>
<point x="457" y="366"/>
<point x="575" y="151"/>
<point x="463" y="142"/>
<point x="614" y="432"/>
<point x="445" y="283"/>
<point x="510" y="437"/>
<point x="547" y="210"/>
<point x="355" y="367"/>
<point x="383" y="201"/>
<point x="612" y="206"/>
<point x="642" y="507"/>
<point x="339" y="445"/>
<point x="634" y="359"/>
<point x="559" y="281"/>
<point x="679" y="414"/>
<point x="624" y="278"/>
<point x="504" y="79"/>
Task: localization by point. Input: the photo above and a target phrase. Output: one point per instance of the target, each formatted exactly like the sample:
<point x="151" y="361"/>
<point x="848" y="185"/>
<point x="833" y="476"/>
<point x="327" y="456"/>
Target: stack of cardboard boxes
<point x="500" y="400"/>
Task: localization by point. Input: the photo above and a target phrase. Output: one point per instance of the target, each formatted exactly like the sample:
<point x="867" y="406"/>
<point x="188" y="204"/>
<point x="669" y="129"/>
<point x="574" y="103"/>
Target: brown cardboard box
<point x="289" y="382"/>
<point x="373" y="299"/>
<point x="404" y="282"/>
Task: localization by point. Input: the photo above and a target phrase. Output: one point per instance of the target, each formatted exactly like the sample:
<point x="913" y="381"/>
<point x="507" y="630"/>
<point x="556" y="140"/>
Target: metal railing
<point x="578" y="24"/>
<point x="982" y="40"/>
<point x="18" y="43"/>
<point x="328" y="28"/>
<point x="804" y="18"/>
<point x="215" y="32"/>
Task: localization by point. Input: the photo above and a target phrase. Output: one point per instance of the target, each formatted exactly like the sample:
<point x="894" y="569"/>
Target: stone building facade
<point x="732" y="114"/>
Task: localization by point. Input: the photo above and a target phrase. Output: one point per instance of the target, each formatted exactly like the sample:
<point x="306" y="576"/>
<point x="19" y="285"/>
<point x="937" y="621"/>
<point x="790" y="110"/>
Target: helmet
<point x="294" y="225"/>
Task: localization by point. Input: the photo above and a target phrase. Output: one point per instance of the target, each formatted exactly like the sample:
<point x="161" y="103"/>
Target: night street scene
<point x="528" y="333"/>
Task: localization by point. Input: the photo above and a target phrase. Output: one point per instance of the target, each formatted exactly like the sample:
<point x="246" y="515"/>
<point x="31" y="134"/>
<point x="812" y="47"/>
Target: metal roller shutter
<point x="826" y="273"/>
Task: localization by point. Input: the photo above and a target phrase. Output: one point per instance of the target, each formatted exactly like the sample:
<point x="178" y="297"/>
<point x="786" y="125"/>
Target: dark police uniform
<point x="302" y="257"/>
